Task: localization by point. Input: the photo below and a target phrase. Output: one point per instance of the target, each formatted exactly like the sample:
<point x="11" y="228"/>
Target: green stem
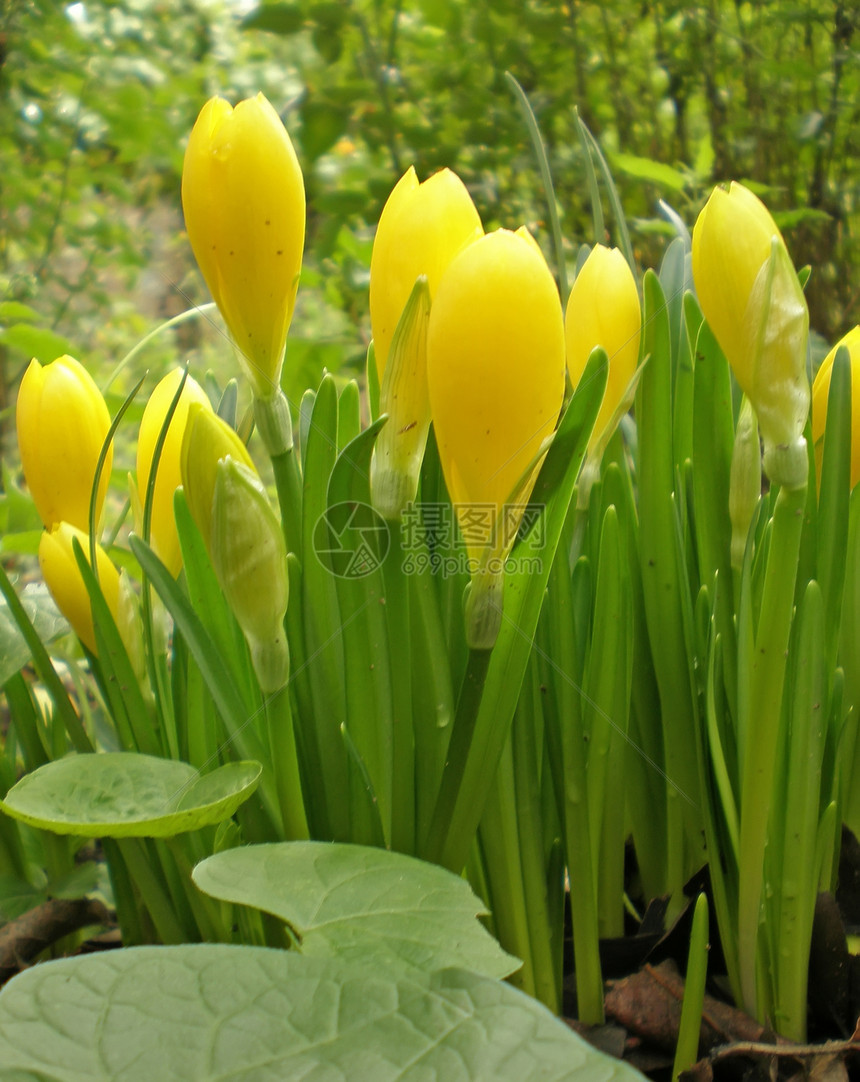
<point x="439" y="844"/>
<point x="288" y="482"/>
<point x="499" y="841"/>
<point x="577" y="833"/>
<point x="156" y="899"/>
<point x="397" y="608"/>
<point x="183" y="317"/>
<point x="765" y="676"/>
<point x="285" y="765"/>
<point x="526" y="801"/>
<point x="127" y="910"/>
<point x="208" y="913"/>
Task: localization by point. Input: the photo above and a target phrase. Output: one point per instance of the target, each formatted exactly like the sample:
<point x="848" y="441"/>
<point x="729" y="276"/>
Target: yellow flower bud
<point x="821" y="391"/>
<point x="163" y="536"/>
<point x="753" y="302"/>
<point x="495" y="367"/>
<point x="244" y="202"/>
<point x="603" y="310"/>
<point x="207" y="440"/>
<point x="421" y="228"/>
<point x="62" y="422"/>
<point x="63" y="578"/>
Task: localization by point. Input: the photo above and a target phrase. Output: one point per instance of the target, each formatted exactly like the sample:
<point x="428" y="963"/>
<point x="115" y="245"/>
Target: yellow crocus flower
<point x="603" y="310"/>
<point x="753" y="302"/>
<point x="62" y="422"/>
<point x="495" y="365"/>
<point x="63" y="578"/>
<point x="244" y="202"/>
<point x="421" y="228"/>
<point x="163" y="536"/>
<point x="821" y="391"/>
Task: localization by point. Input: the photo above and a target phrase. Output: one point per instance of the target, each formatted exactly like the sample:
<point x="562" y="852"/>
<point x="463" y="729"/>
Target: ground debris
<point x="25" y="937"/>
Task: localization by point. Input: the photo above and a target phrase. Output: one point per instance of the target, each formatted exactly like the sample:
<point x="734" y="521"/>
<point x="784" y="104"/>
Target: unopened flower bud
<point x="62" y="422"/>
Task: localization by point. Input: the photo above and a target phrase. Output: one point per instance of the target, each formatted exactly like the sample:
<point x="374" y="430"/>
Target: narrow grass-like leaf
<point x="546" y="179"/>
<point x="795" y="879"/>
<point x="687" y="1049"/>
<point x="45" y="668"/>
<point x="240" y="729"/>
<point x="323" y="624"/>
<point x="103" y="453"/>
<point x="614" y="200"/>
<point x="477" y="745"/>
<point x="120" y="683"/>
<point x="591" y="179"/>
<point x="662" y="587"/>
<point x="361" y="601"/>
<point x="834" y="497"/>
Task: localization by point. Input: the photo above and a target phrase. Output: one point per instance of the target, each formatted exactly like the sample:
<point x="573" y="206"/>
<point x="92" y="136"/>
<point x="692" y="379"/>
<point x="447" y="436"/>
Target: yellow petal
<point x="244" y="202"/>
<point x="62" y="422"/>
<point x="63" y="578"/>
<point x="753" y="302"/>
<point x="603" y="310"/>
<point x="163" y="535"/>
<point x="421" y="228"/>
<point x="495" y="360"/>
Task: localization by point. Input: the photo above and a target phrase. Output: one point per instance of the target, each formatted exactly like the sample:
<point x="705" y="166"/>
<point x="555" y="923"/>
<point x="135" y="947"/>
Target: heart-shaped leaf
<point x="348" y="901"/>
<point x="123" y="795"/>
<point x="252" y="1014"/>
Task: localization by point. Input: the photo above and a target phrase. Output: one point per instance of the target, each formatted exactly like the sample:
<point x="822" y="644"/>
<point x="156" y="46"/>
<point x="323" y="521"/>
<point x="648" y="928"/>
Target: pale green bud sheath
<point x="250" y="561"/>
<point x="745" y="481"/>
<point x="206" y="440"/>
<point x="399" y="449"/>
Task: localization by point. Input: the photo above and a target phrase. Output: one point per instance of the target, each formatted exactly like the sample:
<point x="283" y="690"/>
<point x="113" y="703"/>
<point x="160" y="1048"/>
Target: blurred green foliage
<point x="97" y="97"/>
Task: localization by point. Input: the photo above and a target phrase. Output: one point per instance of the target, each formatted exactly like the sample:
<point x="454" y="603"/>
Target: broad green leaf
<point x="648" y="170"/>
<point x="253" y="1014"/>
<point x="277" y="18"/>
<point x="18" y="512"/>
<point x="15" y="310"/>
<point x="348" y="901"/>
<point x="124" y="795"/>
<point x="46" y="617"/>
<point x="38" y="342"/>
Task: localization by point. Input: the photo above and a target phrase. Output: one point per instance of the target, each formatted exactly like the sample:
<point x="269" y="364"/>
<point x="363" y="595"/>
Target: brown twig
<point x="25" y="937"/>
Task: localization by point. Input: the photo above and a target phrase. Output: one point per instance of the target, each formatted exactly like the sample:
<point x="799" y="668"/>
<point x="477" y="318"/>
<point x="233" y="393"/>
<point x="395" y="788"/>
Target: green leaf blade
<point x="124" y="795"/>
